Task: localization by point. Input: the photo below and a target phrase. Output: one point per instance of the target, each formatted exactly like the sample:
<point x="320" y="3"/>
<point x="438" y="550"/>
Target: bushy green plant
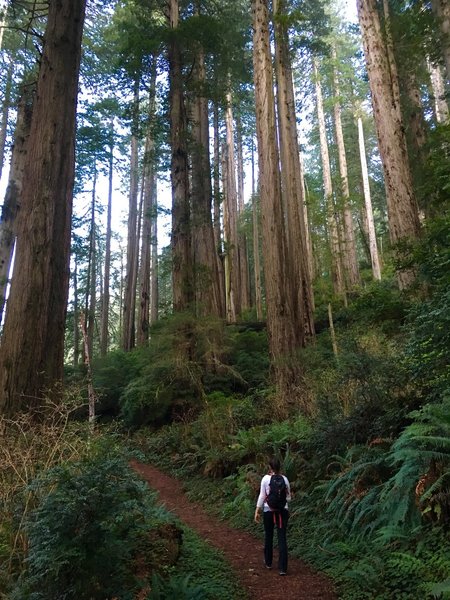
<point x="428" y="345"/>
<point x="113" y="372"/>
<point x="175" y="588"/>
<point x="207" y="569"/>
<point x="379" y="303"/>
<point x="90" y="520"/>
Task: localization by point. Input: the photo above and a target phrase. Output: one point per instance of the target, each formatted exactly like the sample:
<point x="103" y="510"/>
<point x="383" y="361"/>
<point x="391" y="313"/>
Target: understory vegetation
<point x="370" y="464"/>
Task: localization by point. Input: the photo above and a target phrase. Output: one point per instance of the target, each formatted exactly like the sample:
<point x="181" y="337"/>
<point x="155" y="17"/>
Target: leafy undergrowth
<point x="81" y="524"/>
<point x="206" y="570"/>
<point x="361" y="517"/>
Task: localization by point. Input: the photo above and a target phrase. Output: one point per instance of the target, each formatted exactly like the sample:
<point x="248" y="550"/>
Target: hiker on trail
<point x="272" y="501"/>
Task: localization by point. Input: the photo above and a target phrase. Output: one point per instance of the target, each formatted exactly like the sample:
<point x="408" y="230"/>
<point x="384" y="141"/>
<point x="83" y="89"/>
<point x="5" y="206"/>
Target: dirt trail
<point x="242" y="550"/>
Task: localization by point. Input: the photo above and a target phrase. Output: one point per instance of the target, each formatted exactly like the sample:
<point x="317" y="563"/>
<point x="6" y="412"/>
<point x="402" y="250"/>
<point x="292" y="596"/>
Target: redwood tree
<point x="403" y="213"/>
<point x="31" y="354"/>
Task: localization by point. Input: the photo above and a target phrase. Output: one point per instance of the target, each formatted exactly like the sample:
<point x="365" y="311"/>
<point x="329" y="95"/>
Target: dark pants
<point x="272" y="520"/>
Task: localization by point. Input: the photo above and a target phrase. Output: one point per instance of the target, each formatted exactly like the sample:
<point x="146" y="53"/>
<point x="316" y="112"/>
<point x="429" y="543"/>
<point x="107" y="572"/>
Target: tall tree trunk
<point x="32" y="350"/>
<point x="91" y="287"/>
<point x="403" y="214"/>
<point x="182" y="276"/>
<point x="104" y="335"/>
<point x="154" y="285"/>
<point x="76" y="318"/>
<point x="299" y="279"/>
<point x="350" y="261"/>
<point x="208" y="297"/>
<point x="257" y="262"/>
<point x="217" y="202"/>
<point x="333" y="231"/>
<point x="233" y="294"/>
<point x="8" y="224"/>
<point x="5" y="114"/>
<point x="129" y="301"/>
<point x="244" y="275"/>
<point x="285" y="334"/>
<point x="438" y="92"/>
<point x="368" y="204"/>
<point x="304" y="209"/>
<point x="441" y="9"/>
<point x="149" y="184"/>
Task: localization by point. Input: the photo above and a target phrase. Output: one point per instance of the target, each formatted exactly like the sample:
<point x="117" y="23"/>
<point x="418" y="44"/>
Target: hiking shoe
<point x="267" y="566"/>
<point x="283" y="573"/>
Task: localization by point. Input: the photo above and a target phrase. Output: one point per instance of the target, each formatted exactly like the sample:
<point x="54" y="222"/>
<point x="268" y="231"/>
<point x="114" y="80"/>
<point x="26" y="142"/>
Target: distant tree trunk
<point x="5" y="114"/>
<point x="149" y="184"/>
<point x="3" y="20"/>
<point x="350" y="261"/>
<point x="415" y="122"/>
<point x="244" y="276"/>
<point x="412" y="115"/>
<point x="182" y="277"/>
<point x="376" y="271"/>
<point x="299" y="280"/>
<point x="403" y="214"/>
<point x="217" y="202"/>
<point x="333" y="232"/>
<point x="129" y="301"/>
<point x="304" y="209"/>
<point x="438" y="92"/>
<point x="32" y="350"/>
<point x="257" y="262"/>
<point x="8" y="224"/>
<point x="208" y="299"/>
<point x="90" y="304"/>
<point x="76" y="318"/>
<point x="104" y="334"/>
<point x="233" y="291"/>
<point x="441" y="9"/>
<point x="285" y="334"/>
<point x="154" y="285"/>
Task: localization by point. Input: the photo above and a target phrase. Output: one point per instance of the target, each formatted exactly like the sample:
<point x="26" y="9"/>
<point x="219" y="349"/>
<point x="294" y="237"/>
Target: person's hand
<point x="257" y="515"/>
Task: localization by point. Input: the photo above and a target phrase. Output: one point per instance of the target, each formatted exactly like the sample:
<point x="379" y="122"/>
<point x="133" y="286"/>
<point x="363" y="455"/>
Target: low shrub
<point x="91" y="521"/>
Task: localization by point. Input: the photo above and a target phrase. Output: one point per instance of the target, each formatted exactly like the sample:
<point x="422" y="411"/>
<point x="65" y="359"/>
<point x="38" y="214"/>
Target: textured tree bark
<point x="333" y="232"/>
<point x="217" y="202"/>
<point x="11" y="205"/>
<point x="441" y="9"/>
<point x="208" y="297"/>
<point x="149" y="185"/>
<point x="129" y="300"/>
<point x="257" y="262"/>
<point x="32" y="350"/>
<point x="182" y="276"/>
<point x="350" y="260"/>
<point x="438" y="92"/>
<point x="230" y="223"/>
<point x="284" y="332"/>
<point x="291" y="176"/>
<point x="304" y="209"/>
<point x="373" y="249"/>
<point x="403" y="214"/>
<point x="244" y="275"/>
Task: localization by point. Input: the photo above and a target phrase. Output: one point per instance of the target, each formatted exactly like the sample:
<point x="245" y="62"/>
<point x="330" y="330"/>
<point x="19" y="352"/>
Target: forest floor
<point x="243" y="551"/>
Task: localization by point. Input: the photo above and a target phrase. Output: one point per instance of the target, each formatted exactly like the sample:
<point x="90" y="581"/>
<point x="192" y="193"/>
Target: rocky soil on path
<point x="243" y="551"/>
